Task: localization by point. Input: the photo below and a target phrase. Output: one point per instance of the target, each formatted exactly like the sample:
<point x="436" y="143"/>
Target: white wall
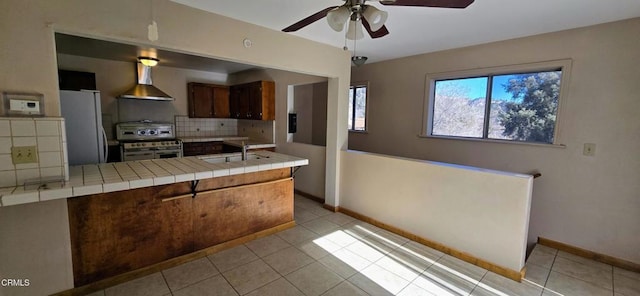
<point x="477" y="211"/>
<point x="28" y="60"/>
<point x="588" y="202"/>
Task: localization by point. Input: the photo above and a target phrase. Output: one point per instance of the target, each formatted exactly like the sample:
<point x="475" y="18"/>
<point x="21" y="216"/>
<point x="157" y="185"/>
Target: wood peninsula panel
<point x="112" y="233"/>
<point x="118" y="232"/>
<point x="226" y="214"/>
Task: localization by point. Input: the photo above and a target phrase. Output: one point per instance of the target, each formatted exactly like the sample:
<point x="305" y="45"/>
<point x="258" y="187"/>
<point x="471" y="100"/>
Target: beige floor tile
<point x="536" y="275"/>
<point x="406" y="267"/>
<point x="421" y="250"/>
<point x="627" y="273"/>
<point x="267" y="245"/>
<point x="232" y="258"/>
<point x="151" y="285"/>
<point x="545" y="249"/>
<point x="570" y="286"/>
<point x="626" y="285"/>
<point x="280" y="287"/>
<point x="318" y="248"/>
<point x="288" y="260"/>
<point x="413" y="290"/>
<point x="215" y="286"/>
<point x="297" y="234"/>
<point x="341" y="238"/>
<point x="368" y="285"/>
<point x="344" y="263"/>
<point x="321" y="226"/>
<point x="250" y="276"/>
<point x="188" y="273"/>
<point x="587" y="273"/>
<point x="541" y="258"/>
<point x="390" y="238"/>
<point x="339" y="218"/>
<point x="416" y="260"/>
<point x="320" y="211"/>
<point x="302" y="216"/>
<point x="359" y="228"/>
<point x="367" y="251"/>
<point x="494" y="284"/>
<point x="345" y="289"/>
<point x="314" y="279"/>
<point x="585" y="261"/>
<point x="97" y="293"/>
<point x="385" y="279"/>
<point x="450" y="275"/>
<point x="306" y="203"/>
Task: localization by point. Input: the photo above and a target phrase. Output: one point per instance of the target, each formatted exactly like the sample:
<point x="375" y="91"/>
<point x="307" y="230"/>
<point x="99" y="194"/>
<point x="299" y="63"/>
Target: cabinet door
<point x="226" y="214"/>
<point x="221" y="102"/>
<point x="113" y="233"/>
<point x="234" y="101"/>
<point x="268" y="102"/>
<point x="255" y="100"/>
<point x="200" y="101"/>
<point x="244" y="102"/>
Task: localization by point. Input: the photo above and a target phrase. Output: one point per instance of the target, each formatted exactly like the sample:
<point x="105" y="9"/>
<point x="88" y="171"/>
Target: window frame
<point x="564" y="65"/>
<point x="354" y="85"/>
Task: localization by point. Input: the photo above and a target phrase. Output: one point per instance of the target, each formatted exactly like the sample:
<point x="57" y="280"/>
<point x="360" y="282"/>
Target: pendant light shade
<point x="358" y="60"/>
<point x="355" y="31"/>
<point x="337" y="17"/>
<point x="375" y="17"/>
<point x="148" y="61"/>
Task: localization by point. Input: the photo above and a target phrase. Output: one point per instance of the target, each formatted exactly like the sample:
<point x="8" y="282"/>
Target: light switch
<point x="24" y="154"/>
<point x="589" y="149"/>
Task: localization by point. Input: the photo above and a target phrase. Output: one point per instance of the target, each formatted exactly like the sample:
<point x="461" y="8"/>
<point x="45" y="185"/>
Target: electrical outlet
<point x="589" y="149"/>
<point x="24" y="154"/>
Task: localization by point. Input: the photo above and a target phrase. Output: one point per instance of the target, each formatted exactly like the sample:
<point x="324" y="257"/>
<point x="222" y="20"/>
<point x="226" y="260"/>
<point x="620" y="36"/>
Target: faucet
<point x="244" y="151"/>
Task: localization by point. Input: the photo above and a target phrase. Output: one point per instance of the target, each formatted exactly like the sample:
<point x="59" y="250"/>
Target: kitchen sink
<point x="232" y="158"/>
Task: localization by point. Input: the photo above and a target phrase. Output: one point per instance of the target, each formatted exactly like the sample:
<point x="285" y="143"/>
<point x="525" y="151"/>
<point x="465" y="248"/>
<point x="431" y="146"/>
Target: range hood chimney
<point x="145" y="90"/>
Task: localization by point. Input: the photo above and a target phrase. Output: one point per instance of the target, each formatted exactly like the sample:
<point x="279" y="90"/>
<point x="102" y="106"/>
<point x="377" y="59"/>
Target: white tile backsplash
<point x="257" y="130"/>
<point x="47" y="128"/>
<point x="205" y="127"/>
<point x="23" y="127"/>
<point x="5" y="128"/>
<point x="5" y="145"/>
<point x="47" y="134"/>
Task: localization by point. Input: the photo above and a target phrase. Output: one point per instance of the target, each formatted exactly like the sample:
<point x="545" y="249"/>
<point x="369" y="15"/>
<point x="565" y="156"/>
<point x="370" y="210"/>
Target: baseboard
<point x="617" y="262"/>
<point x="506" y="272"/>
<point x="125" y="277"/>
<point x="331" y="208"/>
<point x="309" y="196"/>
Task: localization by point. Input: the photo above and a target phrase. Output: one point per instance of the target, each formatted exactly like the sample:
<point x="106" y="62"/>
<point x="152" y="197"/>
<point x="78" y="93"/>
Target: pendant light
<point x="356" y="59"/>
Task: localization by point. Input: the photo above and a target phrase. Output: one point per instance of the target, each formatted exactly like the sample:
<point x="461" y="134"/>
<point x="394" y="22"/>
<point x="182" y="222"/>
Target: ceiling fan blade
<point x="377" y="34"/>
<point x="309" y="20"/>
<point x="429" y="3"/>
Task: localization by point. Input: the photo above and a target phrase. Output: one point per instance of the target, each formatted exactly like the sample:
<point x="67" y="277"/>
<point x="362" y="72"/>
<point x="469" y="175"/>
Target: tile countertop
<point x="117" y="176"/>
<point x="212" y="139"/>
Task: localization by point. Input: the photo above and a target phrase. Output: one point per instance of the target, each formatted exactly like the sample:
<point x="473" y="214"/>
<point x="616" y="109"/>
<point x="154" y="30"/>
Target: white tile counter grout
<point x="110" y="177"/>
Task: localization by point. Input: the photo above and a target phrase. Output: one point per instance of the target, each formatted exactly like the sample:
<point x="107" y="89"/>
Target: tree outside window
<point x="357" y="108"/>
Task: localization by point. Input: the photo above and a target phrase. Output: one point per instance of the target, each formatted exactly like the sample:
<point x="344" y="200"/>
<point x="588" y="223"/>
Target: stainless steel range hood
<point x="145" y="90"/>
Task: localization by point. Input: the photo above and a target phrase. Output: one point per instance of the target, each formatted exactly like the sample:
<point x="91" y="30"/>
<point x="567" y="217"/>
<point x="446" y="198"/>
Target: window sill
<point x="562" y="146"/>
<point x="358" y="132"/>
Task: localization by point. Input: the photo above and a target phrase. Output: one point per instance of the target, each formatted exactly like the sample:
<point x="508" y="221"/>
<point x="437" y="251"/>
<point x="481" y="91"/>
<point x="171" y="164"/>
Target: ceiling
<point x="416" y="30"/>
<point x="101" y="49"/>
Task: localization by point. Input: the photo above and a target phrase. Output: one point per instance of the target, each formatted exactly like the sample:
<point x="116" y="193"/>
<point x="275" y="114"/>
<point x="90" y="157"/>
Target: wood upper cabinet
<point x="208" y="100"/>
<point x="254" y="100"/>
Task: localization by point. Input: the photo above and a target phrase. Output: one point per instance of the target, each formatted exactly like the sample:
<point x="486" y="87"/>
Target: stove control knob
<point x="152" y="132"/>
<point x="143" y="132"/>
<point x="153" y="144"/>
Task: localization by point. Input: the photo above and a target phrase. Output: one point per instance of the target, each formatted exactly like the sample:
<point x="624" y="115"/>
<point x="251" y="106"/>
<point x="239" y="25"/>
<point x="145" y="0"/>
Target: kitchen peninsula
<point x="130" y="215"/>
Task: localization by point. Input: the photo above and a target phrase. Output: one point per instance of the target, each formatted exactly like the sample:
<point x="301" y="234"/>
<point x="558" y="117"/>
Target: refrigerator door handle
<point x="105" y="145"/>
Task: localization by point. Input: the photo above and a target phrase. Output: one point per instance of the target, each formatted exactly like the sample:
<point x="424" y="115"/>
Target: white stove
<point x="147" y="140"/>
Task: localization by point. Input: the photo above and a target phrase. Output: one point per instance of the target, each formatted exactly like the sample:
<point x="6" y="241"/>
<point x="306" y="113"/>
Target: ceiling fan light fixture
<point x="375" y="17"/>
<point x="355" y="31"/>
<point x="358" y="60"/>
<point x="148" y="61"/>
<point x="337" y="17"/>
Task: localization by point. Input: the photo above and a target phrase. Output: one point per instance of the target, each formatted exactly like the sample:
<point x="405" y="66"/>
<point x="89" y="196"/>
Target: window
<point x="358" y="108"/>
<point x="513" y="105"/>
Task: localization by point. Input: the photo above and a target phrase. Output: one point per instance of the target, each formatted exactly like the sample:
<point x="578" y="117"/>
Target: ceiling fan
<point x="373" y="19"/>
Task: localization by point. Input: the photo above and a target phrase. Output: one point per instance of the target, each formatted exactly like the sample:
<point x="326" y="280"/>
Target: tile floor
<point x="333" y="254"/>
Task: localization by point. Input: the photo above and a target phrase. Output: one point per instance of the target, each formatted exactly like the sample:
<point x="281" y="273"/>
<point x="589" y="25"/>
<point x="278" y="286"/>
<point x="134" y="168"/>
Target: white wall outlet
<point x="24" y="154"/>
<point x="589" y="149"/>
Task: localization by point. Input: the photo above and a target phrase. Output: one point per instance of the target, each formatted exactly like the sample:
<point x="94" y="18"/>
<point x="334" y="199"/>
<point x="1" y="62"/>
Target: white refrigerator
<point x="86" y="139"/>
